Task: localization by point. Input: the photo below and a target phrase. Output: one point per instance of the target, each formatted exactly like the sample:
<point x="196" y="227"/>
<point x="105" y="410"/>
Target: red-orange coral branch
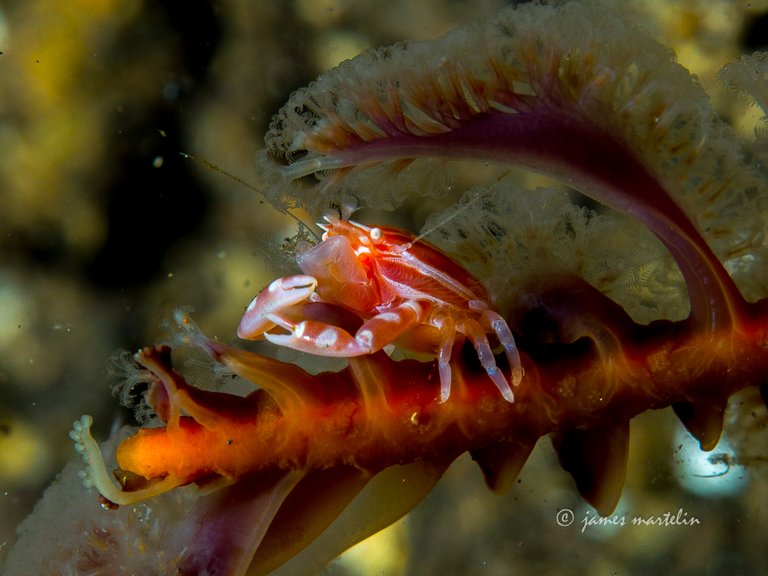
<point x="400" y="419"/>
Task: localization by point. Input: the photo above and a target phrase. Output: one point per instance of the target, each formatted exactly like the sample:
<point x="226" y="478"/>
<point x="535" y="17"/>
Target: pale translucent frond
<point x="508" y="236"/>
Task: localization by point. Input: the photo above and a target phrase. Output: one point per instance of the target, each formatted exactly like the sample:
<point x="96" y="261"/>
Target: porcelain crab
<point x="402" y="289"/>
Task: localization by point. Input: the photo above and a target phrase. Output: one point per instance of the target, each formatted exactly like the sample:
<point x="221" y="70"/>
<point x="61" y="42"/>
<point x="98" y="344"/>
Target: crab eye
<point x="375" y="234"/>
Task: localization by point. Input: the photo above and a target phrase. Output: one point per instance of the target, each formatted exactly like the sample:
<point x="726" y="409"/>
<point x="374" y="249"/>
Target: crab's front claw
<point x="282" y="293"/>
<point x="318" y="338"/>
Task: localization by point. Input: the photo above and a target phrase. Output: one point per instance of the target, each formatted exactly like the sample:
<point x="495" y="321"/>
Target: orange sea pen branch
<point x="585" y="379"/>
<point x="581" y="388"/>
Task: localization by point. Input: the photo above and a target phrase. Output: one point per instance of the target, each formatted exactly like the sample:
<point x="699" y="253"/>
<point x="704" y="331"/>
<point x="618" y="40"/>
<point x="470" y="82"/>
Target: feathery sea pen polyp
<point x="563" y="91"/>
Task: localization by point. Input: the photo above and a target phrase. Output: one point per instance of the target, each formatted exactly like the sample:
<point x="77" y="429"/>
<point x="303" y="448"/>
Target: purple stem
<point x="593" y="162"/>
<point x="226" y="527"/>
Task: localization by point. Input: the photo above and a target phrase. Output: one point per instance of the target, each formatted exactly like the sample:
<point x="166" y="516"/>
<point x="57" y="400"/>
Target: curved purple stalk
<point x="584" y="157"/>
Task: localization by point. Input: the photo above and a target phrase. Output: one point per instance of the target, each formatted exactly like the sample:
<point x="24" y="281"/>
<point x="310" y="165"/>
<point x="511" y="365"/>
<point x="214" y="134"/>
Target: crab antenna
<point x="215" y="168"/>
<point x="443" y="221"/>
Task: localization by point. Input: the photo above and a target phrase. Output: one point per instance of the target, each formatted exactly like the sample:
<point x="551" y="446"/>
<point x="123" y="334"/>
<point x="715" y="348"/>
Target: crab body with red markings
<point x="401" y="288"/>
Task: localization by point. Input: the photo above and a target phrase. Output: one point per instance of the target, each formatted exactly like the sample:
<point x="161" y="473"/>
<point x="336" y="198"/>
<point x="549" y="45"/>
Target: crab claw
<point x="319" y="338"/>
<point x="282" y="293"/>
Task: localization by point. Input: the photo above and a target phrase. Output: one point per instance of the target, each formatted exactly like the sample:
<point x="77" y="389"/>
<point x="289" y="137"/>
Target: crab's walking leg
<point x="327" y="340"/>
<point x="447" y="328"/>
<point x="476" y="334"/>
<point x="496" y="323"/>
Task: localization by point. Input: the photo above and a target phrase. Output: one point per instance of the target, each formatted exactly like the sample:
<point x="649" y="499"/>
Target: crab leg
<point x="324" y="339"/>
<point x="474" y="331"/>
<point x="495" y="322"/>
<point x="447" y="328"/>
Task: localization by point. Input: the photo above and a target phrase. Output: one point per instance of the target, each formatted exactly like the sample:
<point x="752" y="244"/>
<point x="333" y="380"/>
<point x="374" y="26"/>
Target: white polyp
<point x="96" y="474"/>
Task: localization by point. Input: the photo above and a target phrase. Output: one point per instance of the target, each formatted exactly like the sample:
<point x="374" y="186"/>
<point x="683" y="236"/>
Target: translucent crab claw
<point x="280" y="294"/>
<point x="320" y="338"/>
